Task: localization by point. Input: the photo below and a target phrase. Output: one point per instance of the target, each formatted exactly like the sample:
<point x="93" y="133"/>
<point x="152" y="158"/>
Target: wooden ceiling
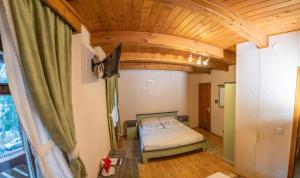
<point x="156" y="31"/>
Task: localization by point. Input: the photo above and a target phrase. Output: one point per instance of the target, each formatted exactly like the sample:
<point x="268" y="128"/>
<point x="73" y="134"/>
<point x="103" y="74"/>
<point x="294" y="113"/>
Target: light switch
<point x="279" y="131"/>
<point x="150" y="82"/>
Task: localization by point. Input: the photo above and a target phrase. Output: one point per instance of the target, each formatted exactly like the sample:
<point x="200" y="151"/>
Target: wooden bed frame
<point x="146" y="155"/>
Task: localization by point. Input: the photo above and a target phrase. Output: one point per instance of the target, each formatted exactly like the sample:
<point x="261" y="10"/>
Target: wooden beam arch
<point x="169" y="59"/>
<point x="221" y="14"/>
<point x="155" y="39"/>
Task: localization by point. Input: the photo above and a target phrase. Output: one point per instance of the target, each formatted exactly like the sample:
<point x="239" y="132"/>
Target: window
<point x="15" y="155"/>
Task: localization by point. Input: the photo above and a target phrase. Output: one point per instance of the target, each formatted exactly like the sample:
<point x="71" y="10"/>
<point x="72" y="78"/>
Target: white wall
<point x="89" y="105"/>
<point x="217" y="114"/>
<point x="169" y="92"/>
<point x="266" y="83"/>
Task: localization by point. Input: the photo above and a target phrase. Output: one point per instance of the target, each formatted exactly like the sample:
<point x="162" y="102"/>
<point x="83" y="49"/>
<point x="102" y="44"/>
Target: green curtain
<point x="111" y="93"/>
<point x="44" y="41"/>
<point x="117" y="100"/>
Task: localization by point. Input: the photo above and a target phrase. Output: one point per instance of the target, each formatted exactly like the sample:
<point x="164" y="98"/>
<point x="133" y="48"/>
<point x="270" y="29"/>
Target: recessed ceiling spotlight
<point x="190" y="57"/>
<point x="199" y="61"/>
<point x="206" y="61"/>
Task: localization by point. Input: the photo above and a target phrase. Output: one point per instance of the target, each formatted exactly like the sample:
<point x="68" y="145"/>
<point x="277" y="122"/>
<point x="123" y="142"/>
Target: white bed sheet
<point x="168" y="138"/>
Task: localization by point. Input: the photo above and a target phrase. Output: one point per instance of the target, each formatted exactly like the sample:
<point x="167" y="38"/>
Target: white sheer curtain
<point x="51" y="161"/>
<point x="115" y="114"/>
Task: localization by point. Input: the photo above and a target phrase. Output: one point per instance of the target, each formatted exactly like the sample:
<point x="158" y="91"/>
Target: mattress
<point x="167" y="138"/>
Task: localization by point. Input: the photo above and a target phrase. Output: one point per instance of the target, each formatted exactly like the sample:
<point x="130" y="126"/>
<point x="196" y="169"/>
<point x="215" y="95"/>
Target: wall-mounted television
<point x="108" y="66"/>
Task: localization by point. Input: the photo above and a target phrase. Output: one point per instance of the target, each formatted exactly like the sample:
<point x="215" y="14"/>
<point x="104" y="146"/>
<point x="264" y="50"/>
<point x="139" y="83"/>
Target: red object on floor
<point x="106" y="164"/>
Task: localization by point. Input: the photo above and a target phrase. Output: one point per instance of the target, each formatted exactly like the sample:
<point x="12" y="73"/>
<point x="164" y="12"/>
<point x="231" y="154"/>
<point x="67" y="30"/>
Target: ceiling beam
<point x="156" y="39"/>
<point x="62" y="8"/>
<point x="229" y="57"/>
<point x="162" y="66"/>
<point x="169" y="59"/>
<point x="221" y="14"/>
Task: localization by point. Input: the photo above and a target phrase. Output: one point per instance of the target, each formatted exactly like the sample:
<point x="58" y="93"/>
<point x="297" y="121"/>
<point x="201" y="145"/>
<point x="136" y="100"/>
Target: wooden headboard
<point x="141" y="117"/>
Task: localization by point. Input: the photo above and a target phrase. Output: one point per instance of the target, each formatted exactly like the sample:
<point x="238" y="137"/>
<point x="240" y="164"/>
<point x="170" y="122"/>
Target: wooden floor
<point x="191" y="165"/>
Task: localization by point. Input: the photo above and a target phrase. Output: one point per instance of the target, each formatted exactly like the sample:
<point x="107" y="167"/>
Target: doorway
<point x="204" y="105"/>
<point x="294" y="162"/>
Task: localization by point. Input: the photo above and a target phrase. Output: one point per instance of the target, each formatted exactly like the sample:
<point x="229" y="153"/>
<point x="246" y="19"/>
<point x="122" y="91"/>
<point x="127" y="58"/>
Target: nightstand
<point x="131" y="129"/>
<point x="184" y="119"/>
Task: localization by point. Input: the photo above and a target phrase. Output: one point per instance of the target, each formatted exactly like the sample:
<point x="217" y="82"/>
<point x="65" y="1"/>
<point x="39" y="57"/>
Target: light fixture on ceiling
<point x="206" y="61"/>
<point x="199" y="61"/>
<point x="190" y="57"/>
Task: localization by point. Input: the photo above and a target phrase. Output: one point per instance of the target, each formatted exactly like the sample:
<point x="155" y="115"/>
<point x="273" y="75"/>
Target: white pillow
<point x="153" y="120"/>
<point x="152" y="126"/>
<point x="169" y="122"/>
<point x="166" y="119"/>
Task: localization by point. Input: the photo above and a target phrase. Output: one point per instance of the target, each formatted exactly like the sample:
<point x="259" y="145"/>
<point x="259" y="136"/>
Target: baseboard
<point x="227" y="160"/>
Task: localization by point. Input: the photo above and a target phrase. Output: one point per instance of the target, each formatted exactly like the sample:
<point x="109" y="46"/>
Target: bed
<point x="157" y="133"/>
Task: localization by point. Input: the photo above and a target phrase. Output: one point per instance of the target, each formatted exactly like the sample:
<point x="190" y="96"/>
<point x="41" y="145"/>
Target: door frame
<point x="295" y="130"/>
<point x="209" y="129"/>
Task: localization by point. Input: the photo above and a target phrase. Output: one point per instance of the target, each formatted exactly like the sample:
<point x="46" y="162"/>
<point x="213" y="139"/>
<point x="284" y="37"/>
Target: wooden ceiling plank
<point x="232" y="3"/>
<point x="157" y="39"/>
<point x="156" y="9"/>
<point x="128" y="13"/>
<point x="118" y="11"/>
<point x="137" y="6"/>
<point x="223" y="40"/>
<point x="83" y="15"/>
<point x="242" y="4"/>
<point x="170" y="59"/>
<point x="191" y="25"/>
<point x="279" y="24"/>
<point x="208" y="32"/>
<point x="257" y="4"/>
<point x="223" y="15"/>
<point x="292" y="28"/>
<point x="108" y="11"/>
<point x="155" y="66"/>
<point x="102" y="17"/>
<point x="196" y="29"/>
<point x="204" y="30"/>
<point x="177" y="21"/>
<point x="269" y="7"/>
<point x="227" y="43"/>
<point x="163" y="15"/>
<point x="185" y="23"/>
<point x="91" y="14"/>
<point x="291" y="14"/>
<point x="287" y="26"/>
<point x="272" y="13"/>
<point x="219" y="32"/>
<point x="175" y="12"/>
<point x="146" y="11"/>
